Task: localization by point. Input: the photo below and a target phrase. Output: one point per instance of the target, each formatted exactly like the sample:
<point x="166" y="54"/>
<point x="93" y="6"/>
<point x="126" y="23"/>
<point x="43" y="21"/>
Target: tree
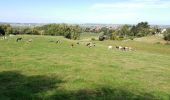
<point x="76" y="32"/>
<point x="16" y="31"/>
<point x="124" y="30"/>
<point x="167" y="35"/>
<point x="68" y="31"/>
<point x="155" y="30"/>
<point x="133" y="31"/>
<point x="141" y="29"/>
<point x="106" y="31"/>
<point x="102" y="36"/>
<point x="2" y="31"/>
<point x="5" y="29"/>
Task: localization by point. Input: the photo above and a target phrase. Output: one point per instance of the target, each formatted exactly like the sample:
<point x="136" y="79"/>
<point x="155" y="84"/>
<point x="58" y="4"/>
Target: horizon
<point x="83" y="23"/>
<point x="155" y="12"/>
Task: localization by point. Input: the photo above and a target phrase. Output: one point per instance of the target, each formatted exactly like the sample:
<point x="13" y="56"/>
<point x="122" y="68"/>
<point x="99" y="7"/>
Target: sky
<point x="86" y="11"/>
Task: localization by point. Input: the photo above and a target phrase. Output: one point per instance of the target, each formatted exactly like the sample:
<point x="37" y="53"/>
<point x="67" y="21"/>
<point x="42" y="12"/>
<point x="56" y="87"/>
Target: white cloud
<point x="132" y="11"/>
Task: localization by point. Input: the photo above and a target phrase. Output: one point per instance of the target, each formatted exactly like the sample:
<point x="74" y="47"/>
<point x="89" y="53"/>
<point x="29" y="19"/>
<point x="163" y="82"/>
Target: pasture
<point x="44" y="70"/>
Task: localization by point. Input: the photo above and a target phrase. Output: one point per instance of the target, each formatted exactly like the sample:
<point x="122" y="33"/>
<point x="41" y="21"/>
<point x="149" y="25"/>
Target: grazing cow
<point x="110" y="47"/>
<point x="94" y="44"/>
<point x="78" y="43"/>
<point x="3" y="38"/>
<point x="119" y="47"/>
<point x="125" y="48"/>
<point x="72" y="45"/>
<point x="58" y="41"/>
<point x="30" y="40"/>
<point x="19" y="39"/>
<point x="88" y="44"/>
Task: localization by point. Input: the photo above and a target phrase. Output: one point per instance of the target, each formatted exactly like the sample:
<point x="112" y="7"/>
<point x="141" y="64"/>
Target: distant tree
<point x="35" y="32"/>
<point x="5" y="29"/>
<point x="155" y="30"/>
<point x="16" y="31"/>
<point x="133" y="31"/>
<point x="2" y="31"/>
<point x="124" y="30"/>
<point x="141" y="29"/>
<point x="27" y="31"/>
<point x="101" y="36"/>
<point x="76" y="32"/>
<point x="167" y="35"/>
<point x="68" y="31"/>
<point x="87" y="29"/>
<point x="105" y="30"/>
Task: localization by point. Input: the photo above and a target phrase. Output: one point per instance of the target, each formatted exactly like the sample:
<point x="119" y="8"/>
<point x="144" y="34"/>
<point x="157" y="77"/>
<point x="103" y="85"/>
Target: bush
<point x="167" y="36"/>
<point x="101" y="36"/>
<point x="131" y="38"/>
<point x="158" y="42"/>
<point x="167" y="43"/>
<point x="93" y="39"/>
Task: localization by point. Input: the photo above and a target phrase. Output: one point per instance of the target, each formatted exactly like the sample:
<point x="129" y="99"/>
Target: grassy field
<point x="44" y="70"/>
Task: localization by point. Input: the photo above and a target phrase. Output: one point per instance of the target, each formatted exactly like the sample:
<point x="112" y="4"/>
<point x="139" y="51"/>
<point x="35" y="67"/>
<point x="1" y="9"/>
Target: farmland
<point x="42" y="69"/>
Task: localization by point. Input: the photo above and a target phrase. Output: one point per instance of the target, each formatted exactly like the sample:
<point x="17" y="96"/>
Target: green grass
<point x="44" y="70"/>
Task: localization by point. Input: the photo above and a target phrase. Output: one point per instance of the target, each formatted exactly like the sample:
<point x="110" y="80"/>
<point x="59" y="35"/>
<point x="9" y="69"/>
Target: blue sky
<point x="86" y="11"/>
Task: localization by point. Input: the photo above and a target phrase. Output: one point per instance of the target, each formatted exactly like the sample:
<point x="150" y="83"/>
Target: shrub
<point x="131" y="38"/>
<point x="93" y="39"/>
<point x="167" y="43"/>
<point x="101" y="36"/>
<point x="167" y="36"/>
<point x="158" y="42"/>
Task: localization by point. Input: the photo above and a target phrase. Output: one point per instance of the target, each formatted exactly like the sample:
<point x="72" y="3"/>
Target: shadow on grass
<point x="102" y="94"/>
<point x="16" y="86"/>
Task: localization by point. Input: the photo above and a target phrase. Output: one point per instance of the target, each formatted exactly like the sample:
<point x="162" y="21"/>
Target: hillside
<point x="152" y="39"/>
<point x="42" y="69"/>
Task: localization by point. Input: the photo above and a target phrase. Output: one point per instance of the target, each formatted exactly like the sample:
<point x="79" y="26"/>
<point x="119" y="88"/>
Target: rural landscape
<point x="85" y="61"/>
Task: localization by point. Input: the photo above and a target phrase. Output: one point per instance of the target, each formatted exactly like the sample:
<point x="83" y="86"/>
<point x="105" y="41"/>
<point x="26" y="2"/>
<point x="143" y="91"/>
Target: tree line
<point x="74" y="31"/>
<point x="129" y="31"/>
<point x="68" y="31"/>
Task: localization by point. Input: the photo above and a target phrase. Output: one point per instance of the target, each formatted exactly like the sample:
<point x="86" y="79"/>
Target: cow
<point x="124" y="48"/>
<point x="110" y="47"/>
<point x="4" y="38"/>
<point x="30" y="40"/>
<point x="72" y="45"/>
<point x="78" y="43"/>
<point x="119" y="47"/>
<point x="88" y="44"/>
<point x="58" y="41"/>
<point x="19" y="39"/>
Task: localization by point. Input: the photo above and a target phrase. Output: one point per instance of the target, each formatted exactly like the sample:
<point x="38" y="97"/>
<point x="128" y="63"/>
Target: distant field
<point x="44" y="70"/>
<point x="89" y="36"/>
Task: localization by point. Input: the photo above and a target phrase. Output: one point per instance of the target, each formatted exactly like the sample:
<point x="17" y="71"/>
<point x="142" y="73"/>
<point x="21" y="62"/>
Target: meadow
<point x="44" y="70"/>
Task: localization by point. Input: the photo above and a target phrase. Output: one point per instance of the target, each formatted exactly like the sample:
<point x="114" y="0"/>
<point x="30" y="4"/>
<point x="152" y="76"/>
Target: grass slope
<point x="44" y="70"/>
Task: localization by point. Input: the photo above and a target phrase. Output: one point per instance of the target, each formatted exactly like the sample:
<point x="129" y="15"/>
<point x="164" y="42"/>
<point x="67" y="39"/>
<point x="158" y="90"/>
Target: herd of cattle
<point x="88" y="44"/>
<point x="121" y="48"/>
